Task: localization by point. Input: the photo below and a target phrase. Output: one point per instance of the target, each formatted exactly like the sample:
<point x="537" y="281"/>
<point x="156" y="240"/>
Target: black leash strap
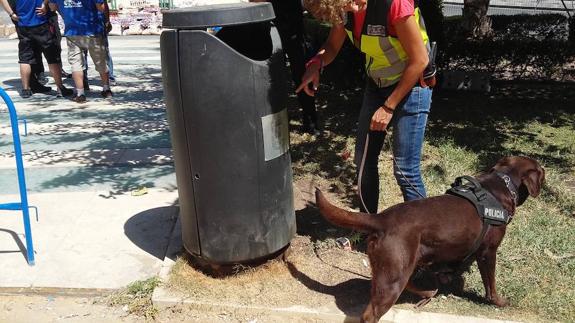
<point x="478" y="241"/>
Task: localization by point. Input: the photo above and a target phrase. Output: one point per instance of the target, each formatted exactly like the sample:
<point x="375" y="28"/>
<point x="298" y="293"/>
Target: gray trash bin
<point x="226" y="101"/>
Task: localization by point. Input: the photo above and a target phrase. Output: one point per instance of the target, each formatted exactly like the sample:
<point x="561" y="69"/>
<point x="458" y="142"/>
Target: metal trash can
<point x="226" y="101"/>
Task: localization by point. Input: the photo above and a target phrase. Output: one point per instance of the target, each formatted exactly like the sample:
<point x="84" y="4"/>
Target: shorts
<point x="37" y="39"/>
<point x="94" y="45"/>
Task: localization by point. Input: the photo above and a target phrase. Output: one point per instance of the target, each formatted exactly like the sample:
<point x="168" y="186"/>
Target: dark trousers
<point x="289" y="22"/>
<point x="38" y="68"/>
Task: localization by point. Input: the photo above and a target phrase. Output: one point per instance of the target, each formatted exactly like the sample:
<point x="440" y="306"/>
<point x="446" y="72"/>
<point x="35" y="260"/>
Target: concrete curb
<point x="163" y="299"/>
<point x="57" y="291"/>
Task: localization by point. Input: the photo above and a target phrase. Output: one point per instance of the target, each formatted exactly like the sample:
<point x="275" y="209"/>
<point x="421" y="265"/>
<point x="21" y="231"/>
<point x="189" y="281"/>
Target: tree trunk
<point x="475" y="20"/>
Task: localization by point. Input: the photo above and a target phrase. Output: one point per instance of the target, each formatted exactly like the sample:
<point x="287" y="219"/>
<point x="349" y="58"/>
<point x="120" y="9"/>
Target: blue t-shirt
<point x="26" y="11"/>
<point x="81" y="17"/>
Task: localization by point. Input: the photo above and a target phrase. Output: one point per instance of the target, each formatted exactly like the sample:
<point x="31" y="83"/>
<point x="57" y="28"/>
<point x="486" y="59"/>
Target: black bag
<point x="431" y="68"/>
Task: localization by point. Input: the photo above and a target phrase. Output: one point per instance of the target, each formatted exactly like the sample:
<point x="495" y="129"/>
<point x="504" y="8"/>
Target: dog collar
<point x="510" y="186"/>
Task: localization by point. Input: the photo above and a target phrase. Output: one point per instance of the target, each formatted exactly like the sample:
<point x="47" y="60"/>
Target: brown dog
<point x="436" y="231"/>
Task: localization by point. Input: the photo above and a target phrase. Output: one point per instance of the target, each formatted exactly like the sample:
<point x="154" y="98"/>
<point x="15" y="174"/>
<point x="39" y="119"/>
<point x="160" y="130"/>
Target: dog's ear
<point x="533" y="180"/>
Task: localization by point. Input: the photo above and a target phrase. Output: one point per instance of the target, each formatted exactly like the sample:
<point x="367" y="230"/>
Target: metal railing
<point x="22" y="205"/>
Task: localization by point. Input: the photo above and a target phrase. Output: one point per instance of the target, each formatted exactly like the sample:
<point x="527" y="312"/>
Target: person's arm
<point x="106" y="12"/>
<point x="9" y="10"/>
<point x="410" y="38"/>
<point x="326" y="55"/>
<point x="101" y="6"/>
<point x="43" y="9"/>
<point x="53" y="6"/>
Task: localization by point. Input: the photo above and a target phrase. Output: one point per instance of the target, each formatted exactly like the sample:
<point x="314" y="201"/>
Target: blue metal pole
<point x="21" y="177"/>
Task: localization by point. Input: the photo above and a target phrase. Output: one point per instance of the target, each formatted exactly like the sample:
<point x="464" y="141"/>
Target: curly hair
<point x="327" y="10"/>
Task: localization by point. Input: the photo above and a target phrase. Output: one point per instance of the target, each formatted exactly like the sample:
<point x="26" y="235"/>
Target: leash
<point x="337" y="267"/>
<point x="484" y="228"/>
<point x="362" y="164"/>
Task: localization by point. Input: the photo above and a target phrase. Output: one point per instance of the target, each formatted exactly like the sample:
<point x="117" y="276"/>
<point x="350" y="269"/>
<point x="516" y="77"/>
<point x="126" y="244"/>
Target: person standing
<point x="105" y="18"/>
<point x="35" y="35"/>
<point x="84" y="31"/>
<point x="289" y="22"/>
<point x="392" y="36"/>
<point x="38" y="69"/>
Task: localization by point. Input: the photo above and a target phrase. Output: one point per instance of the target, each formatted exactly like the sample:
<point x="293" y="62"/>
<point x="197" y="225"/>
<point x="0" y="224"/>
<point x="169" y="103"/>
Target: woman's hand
<point x="324" y="56"/>
<point x="311" y="75"/>
<point x="41" y="11"/>
<point x="380" y="119"/>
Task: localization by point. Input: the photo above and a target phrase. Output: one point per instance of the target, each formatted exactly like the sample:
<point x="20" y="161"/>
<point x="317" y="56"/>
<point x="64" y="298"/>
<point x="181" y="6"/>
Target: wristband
<point x="315" y="60"/>
<point x="387" y="108"/>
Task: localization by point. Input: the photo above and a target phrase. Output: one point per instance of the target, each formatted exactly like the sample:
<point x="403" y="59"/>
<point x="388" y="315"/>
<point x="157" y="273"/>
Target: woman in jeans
<point x="392" y="35"/>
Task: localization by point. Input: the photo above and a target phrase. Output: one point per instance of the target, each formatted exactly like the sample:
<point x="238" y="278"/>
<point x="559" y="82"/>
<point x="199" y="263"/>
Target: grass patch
<point x="137" y="298"/>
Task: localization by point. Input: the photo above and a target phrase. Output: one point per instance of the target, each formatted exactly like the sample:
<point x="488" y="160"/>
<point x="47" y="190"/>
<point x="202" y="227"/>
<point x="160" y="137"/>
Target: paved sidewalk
<point x="87" y="240"/>
<point x="82" y="164"/>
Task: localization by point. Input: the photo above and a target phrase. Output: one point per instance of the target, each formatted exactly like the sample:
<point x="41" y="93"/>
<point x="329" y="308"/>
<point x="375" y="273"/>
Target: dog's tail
<point x="358" y="221"/>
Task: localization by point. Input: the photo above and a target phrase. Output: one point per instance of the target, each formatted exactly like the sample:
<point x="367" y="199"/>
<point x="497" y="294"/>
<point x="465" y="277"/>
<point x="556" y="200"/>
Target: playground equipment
<point x="23" y="204"/>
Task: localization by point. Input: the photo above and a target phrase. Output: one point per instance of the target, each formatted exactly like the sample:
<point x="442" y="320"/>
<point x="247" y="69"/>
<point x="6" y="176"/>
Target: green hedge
<point x="522" y="47"/>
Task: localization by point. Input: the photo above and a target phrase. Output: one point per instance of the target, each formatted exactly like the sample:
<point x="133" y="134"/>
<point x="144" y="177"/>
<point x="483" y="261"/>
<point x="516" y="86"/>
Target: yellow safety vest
<point x="385" y="57"/>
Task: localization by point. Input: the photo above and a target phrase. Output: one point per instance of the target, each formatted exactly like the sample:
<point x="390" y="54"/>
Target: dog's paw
<point x="499" y="301"/>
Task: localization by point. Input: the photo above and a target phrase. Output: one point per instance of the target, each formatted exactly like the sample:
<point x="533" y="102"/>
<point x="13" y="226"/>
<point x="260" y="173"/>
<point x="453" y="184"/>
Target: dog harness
<point x="488" y="207"/>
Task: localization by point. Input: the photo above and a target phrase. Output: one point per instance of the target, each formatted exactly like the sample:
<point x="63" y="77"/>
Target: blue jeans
<point x="409" y="120"/>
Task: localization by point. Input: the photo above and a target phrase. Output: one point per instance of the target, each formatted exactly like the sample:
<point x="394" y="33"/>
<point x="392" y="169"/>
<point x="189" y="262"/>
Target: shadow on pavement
<point x="151" y="229"/>
<point x="18" y="243"/>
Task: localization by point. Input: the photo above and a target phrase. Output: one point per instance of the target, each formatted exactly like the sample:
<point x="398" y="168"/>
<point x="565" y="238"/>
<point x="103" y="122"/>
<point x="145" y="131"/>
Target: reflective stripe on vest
<point x="385" y="57"/>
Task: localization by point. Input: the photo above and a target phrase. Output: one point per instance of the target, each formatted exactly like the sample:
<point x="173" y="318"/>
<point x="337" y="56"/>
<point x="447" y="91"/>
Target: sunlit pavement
<point x="100" y="173"/>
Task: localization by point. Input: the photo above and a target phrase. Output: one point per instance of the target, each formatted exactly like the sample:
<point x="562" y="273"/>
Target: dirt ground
<point x="316" y="269"/>
<point x="40" y="308"/>
<point x="57" y="308"/>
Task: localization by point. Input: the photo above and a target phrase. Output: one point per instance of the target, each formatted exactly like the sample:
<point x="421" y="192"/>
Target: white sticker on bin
<point x="276" y="134"/>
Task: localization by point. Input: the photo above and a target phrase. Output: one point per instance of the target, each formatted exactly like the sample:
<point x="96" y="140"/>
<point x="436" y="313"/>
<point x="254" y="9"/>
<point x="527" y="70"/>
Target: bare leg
<point x="78" y="78"/>
<point x="105" y="77"/>
<point x="25" y="73"/>
<point x="56" y="70"/>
